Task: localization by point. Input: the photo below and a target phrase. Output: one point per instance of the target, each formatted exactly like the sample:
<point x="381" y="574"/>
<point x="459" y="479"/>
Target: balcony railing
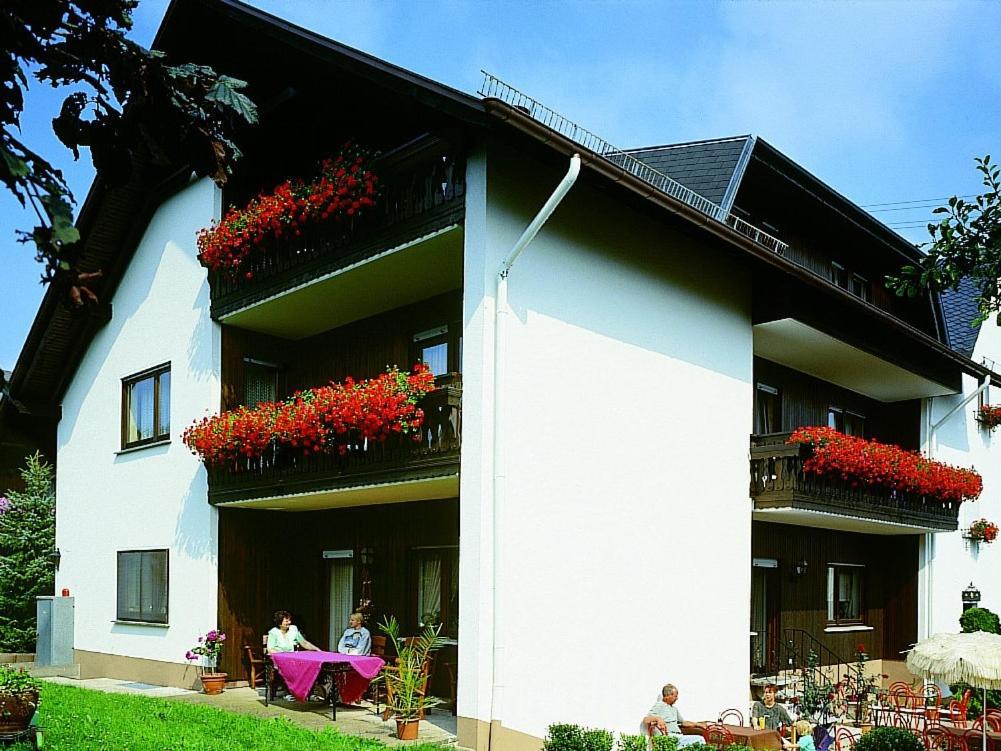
<point x="282" y="473"/>
<point x="422" y="190"/>
<point x="779" y="482"/>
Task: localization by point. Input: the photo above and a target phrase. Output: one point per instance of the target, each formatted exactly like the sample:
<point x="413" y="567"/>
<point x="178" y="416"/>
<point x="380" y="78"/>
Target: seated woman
<point x="773" y="712"/>
<point x="285" y="637"/>
<point x="356" y="640"/>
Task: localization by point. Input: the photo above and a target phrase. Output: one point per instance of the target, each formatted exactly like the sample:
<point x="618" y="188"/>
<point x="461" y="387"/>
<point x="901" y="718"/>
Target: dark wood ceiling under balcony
<point x="782" y="492"/>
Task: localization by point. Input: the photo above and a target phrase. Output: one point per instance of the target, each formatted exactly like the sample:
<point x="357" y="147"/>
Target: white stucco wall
<point x="154" y="497"/>
<point x="624" y="528"/>
<point x="961" y="441"/>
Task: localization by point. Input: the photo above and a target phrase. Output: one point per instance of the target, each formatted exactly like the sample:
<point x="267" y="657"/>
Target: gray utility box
<point x="55" y="631"/>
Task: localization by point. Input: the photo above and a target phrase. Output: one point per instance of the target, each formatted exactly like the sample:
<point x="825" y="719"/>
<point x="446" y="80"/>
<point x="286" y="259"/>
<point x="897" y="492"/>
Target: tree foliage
<point x="27" y="538"/>
<point x="127" y="105"/>
<point x="966" y="243"/>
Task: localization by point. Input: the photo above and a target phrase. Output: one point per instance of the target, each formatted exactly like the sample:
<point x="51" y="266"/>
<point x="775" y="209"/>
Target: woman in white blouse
<point x="285" y="636"/>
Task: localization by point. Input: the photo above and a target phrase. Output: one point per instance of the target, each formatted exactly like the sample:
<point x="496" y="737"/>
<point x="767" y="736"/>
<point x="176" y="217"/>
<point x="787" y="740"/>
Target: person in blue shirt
<point x="356" y="640"/>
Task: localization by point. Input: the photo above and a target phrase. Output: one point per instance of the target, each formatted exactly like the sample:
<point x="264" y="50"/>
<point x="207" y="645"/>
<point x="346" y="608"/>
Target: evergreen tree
<point x="27" y="537"/>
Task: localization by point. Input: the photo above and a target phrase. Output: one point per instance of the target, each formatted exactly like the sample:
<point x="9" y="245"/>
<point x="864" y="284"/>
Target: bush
<point x="980" y="619"/>
<point x="888" y="739"/>
<point x="628" y="742"/>
<point x="567" y="737"/>
<point x="665" y="743"/>
<point x="27" y="537"/>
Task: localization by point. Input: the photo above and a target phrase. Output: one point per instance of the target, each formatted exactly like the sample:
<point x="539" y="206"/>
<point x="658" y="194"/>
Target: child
<point x="804" y="730"/>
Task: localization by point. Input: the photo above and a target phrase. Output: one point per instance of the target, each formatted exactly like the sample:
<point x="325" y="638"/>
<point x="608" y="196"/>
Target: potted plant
<point x="18" y="699"/>
<point x="982" y="531"/>
<point x="989" y="416"/>
<point x="863" y="687"/>
<point x="209" y="648"/>
<point x="406" y="682"/>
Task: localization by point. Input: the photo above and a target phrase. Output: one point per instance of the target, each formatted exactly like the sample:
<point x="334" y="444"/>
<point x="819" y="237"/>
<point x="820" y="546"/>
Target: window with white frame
<point x="845" y="590"/>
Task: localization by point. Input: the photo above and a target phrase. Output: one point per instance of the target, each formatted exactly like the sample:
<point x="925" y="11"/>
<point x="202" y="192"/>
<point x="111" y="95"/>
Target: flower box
<point x="982" y="531"/>
<point x="989" y="416"/>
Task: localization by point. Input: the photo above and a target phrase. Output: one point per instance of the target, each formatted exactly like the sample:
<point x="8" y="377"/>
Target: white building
<point x="600" y="538"/>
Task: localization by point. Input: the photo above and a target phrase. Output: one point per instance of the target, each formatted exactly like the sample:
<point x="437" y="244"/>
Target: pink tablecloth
<point x="300" y="669"/>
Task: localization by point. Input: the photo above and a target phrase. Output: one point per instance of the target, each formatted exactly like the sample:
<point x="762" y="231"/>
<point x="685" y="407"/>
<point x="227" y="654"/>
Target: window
<point x="260" y="382"/>
<point x="844" y="593"/>
<point x="839" y="275"/>
<point x="438" y="588"/>
<point x="860" y="287"/>
<point x="432" y="349"/>
<point x="146" y="407"/>
<point x="767" y="409"/>
<point x="846" y="421"/>
<point x="142" y="586"/>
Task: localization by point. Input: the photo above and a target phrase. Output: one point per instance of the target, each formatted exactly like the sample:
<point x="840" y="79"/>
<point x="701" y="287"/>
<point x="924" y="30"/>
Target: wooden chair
<point x="254" y="665"/>
<point x="731" y="716"/>
<point x="377" y="689"/>
<point x="717" y="735"/>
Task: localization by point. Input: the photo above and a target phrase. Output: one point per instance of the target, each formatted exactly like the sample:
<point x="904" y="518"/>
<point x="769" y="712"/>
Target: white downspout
<point x="929" y="538"/>
<point x="500" y="317"/>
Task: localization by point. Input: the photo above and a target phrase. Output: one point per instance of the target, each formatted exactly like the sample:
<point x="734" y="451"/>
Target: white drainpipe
<point x="929" y="541"/>
<point x="500" y="317"/>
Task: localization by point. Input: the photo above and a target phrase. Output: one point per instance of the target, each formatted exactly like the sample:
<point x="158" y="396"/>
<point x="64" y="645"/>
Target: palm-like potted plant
<point x="18" y="699"/>
<point x="406" y="682"/>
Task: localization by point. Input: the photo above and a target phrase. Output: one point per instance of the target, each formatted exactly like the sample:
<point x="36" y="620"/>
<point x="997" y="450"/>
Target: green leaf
<point x="226" y="92"/>
<point x="16" y="166"/>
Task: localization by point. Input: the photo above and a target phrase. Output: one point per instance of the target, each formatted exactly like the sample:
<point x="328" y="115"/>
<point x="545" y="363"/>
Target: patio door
<point x="764" y="615"/>
<point x="342" y="576"/>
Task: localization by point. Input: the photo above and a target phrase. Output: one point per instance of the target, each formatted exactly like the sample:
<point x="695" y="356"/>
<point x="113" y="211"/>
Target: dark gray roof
<point x="703" y="166"/>
<point x="960" y="309"/>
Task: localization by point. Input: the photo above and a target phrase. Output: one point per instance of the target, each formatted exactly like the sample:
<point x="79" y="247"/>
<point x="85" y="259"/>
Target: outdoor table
<point x="960" y="731"/>
<point x="766" y="740"/>
<point x="351" y="674"/>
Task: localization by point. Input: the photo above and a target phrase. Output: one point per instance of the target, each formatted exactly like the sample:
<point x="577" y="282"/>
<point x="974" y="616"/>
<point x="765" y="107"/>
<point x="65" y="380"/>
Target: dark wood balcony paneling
<point x="778" y="481"/>
<point x="422" y="190"/>
<point x="402" y="459"/>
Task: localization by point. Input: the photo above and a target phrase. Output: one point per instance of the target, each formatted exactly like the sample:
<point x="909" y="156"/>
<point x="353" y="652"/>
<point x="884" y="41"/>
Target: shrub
<point x="888" y="739"/>
<point x="666" y="743"/>
<point x="628" y="742"/>
<point x="27" y="537"/>
<point x="567" y="737"/>
<point x="980" y="619"/>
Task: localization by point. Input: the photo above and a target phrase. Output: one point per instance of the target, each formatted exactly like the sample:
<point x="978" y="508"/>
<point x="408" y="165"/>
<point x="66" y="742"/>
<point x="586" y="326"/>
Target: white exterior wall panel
<point x="153" y="497"/>
<point x="624" y="529"/>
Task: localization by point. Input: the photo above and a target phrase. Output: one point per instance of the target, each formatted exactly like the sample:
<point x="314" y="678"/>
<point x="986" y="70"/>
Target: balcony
<point x="782" y="492"/>
<point x="369" y="473"/>
<point x="422" y="194"/>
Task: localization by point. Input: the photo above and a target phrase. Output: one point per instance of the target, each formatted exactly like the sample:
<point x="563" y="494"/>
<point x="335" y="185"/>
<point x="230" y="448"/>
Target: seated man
<point x="773" y="712"/>
<point x="666" y="718"/>
<point x="356" y="640"/>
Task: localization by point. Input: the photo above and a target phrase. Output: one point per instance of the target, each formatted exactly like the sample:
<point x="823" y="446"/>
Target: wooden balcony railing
<point x="422" y="189"/>
<point x="778" y="481"/>
<point x="283" y="473"/>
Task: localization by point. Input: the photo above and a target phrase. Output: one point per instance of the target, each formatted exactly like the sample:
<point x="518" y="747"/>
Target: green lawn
<point x="77" y="718"/>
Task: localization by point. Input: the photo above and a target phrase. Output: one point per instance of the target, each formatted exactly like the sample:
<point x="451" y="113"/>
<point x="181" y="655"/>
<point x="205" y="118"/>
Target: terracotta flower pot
<point x="16" y="711"/>
<point x="213" y="683"/>
<point x="406" y="730"/>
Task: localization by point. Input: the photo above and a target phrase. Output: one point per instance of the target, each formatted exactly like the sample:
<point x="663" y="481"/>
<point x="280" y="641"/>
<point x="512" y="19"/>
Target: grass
<point x="78" y="718"/>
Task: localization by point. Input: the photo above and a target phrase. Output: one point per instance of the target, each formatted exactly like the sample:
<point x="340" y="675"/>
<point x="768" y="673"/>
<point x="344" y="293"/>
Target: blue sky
<point x="885" y="101"/>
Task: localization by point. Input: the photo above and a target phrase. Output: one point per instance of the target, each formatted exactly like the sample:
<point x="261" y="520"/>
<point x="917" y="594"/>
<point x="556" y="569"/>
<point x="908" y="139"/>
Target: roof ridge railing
<point x="494" y="88"/>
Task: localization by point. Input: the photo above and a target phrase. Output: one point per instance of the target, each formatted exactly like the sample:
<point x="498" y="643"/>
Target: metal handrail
<point x="494" y="88"/>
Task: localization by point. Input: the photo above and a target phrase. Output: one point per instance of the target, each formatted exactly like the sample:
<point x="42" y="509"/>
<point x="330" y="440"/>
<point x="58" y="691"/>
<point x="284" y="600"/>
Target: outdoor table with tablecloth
<point x="352" y="673"/>
<point x="765" y="740"/>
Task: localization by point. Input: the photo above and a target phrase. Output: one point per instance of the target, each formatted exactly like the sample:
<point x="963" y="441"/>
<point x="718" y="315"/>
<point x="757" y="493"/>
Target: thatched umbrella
<point x="953" y="658"/>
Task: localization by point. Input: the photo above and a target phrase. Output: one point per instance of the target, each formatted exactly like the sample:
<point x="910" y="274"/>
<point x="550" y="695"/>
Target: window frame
<point x="254" y="362"/>
<point x="127" y="383"/>
<point x="166" y="586"/>
<point x="444" y="553"/>
<point x="833" y="576"/>
<point x="765" y="391"/>
<point x="443" y="333"/>
<point x="842" y="415"/>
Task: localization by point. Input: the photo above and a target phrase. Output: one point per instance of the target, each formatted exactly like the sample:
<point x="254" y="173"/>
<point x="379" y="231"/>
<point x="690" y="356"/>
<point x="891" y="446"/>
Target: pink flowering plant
<point x="209" y="646"/>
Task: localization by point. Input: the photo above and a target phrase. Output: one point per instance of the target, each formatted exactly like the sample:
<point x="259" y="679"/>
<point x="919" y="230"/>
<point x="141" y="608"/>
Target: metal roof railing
<point x="494" y="88"/>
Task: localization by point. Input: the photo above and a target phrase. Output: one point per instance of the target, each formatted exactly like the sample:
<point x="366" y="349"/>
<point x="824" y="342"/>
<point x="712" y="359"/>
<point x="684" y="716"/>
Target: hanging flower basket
<point x="870" y="463"/>
<point x="982" y="531"/>
<point x="319" y="420"/>
<point x="989" y="416"/>
<point x="345" y="188"/>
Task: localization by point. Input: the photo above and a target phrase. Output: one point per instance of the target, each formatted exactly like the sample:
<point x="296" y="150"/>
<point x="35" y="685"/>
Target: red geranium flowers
<point x="989" y="415"/>
<point x="345" y="187"/>
<point x="875" y="464"/>
<point x="983" y="531"/>
<point x="324" y="419"/>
